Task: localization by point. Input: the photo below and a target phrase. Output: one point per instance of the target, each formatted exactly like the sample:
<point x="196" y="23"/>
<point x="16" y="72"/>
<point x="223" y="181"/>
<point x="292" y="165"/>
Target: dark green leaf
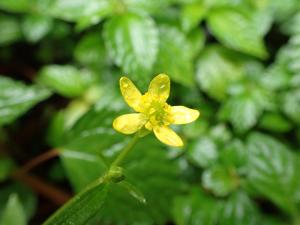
<point x="6" y="167"/>
<point x="10" y="30"/>
<point x="195" y="208"/>
<point x="16" y="98"/>
<point x="83" y="206"/>
<point x="273" y="170"/>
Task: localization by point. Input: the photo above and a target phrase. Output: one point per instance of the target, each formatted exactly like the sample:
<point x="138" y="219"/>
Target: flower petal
<point x="129" y="123"/>
<point x="160" y="86"/>
<point x="182" y="114"/>
<point x="130" y="93"/>
<point x="167" y="136"/>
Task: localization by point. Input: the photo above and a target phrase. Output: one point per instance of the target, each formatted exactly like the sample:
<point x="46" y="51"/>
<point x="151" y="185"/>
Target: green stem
<point x="124" y="152"/>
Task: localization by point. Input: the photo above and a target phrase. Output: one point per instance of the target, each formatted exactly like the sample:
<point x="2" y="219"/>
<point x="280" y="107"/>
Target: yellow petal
<point x="167" y="136"/>
<point x="129" y="123"/>
<point x="130" y="93"/>
<point x="182" y="114"/>
<point x="160" y="86"/>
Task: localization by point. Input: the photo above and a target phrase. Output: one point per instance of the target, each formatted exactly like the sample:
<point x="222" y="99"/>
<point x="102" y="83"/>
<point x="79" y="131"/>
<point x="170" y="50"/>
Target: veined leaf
<point x="66" y="80"/>
<point x="215" y="80"/>
<point x="83" y="206"/>
<point x="239" y="209"/>
<point x="195" y="208"/>
<point x="273" y="170"/>
<point x="132" y="41"/>
<point x="238" y="31"/>
<point x="174" y="43"/>
<point x="16" y="98"/>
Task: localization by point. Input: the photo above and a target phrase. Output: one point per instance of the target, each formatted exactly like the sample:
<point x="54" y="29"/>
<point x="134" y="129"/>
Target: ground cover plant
<point x="92" y="92"/>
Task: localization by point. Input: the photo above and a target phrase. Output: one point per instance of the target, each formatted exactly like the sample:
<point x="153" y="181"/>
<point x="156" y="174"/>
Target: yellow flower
<point x="153" y="113"/>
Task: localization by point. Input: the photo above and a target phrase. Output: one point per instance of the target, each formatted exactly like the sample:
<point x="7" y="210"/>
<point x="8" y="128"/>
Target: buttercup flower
<point x="153" y="113"/>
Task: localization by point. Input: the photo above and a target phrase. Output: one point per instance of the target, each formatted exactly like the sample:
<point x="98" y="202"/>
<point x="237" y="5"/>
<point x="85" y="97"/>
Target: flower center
<point x="157" y="111"/>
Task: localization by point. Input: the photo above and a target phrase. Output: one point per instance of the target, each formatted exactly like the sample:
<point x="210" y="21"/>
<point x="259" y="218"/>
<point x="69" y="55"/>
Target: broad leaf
<point x="237" y="30"/>
<point x="174" y="43"/>
<point x="215" y="80"/>
<point x="272" y="169"/>
<point x="132" y="41"/>
<point x="10" y="30"/>
<point x="66" y="80"/>
<point x="195" y="208"/>
<point x="239" y="209"/>
<point x="16" y="98"/>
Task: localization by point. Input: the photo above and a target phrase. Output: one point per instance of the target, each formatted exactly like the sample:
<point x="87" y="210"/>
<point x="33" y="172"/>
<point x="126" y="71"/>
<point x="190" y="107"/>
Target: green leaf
<point x="25" y="195"/>
<point x="237" y="30"/>
<point x="35" y="27"/>
<point x="82" y="167"/>
<point x="220" y="180"/>
<point x="203" y="152"/>
<point x="15" y="6"/>
<point x="14" y="213"/>
<point x="10" y="30"/>
<point x="291" y="105"/>
<point x="191" y="15"/>
<point x="196" y="41"/>
<point x="174" y="43"/>
<point x="272" y="170"/>
<point x="66" y="80"/>
<point x="145" y="6"/>
<point x="132" y="41"/>
<point x="215" y="80"/>
<point x="6" y="167"/>
<point x="84" y="206"/>
<point x="90" y="50"/>
<point x="275" y="122"/>
<point x="149" y="168"/>
<point x="86" y="12"/>
<point x="16" y="98"/>
<point x="195" y="208"/>
<point x="239" y="209"/>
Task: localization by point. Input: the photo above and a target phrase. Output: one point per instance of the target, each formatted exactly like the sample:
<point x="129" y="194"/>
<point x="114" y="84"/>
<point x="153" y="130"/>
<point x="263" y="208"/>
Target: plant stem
<point x="124" y="152"/>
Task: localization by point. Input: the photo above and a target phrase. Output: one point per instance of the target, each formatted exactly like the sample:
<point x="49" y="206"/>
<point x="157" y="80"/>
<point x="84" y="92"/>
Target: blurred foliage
<point x="237" y="61"/>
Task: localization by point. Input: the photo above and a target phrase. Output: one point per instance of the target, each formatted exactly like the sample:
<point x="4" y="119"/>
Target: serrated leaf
<point x="174" y="43"/>
<point x="195" y="208"/>
<point x="221" y="180"/>
<point x="243" y="36"/>
<point x="66" y="80"/>
<point x="84" y="206"/>
<point x="272" y="170"/>
<point x="239" y="209"/>
<point x="10" y="30"/>
<point x="16" y="98"/>
<point x="132" y="41"/>
<point x="215" y="80"/>
<point x="13" y="213"/>
<point x="35" y="27"/>
<point x="203" y="152"/>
